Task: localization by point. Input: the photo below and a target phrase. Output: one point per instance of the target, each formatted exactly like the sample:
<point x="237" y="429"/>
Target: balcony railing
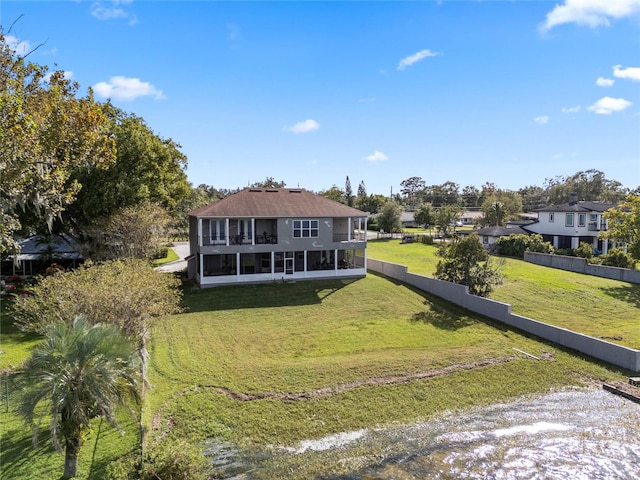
<point x="238" y="240"/>
<point x="355" y="237"/>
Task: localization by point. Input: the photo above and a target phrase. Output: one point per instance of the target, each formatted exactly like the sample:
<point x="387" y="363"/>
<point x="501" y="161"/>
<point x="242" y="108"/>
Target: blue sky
<point x="311" y="92"/>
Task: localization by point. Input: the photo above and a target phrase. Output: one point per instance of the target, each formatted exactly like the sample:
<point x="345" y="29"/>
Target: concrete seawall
<point x="459" y="294"/>
<point x="580" y="265"/>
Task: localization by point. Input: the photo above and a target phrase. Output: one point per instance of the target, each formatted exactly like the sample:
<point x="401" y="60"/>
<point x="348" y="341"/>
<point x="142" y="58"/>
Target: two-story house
<point x="569" y="224"/>
<point x="276" y="234"/>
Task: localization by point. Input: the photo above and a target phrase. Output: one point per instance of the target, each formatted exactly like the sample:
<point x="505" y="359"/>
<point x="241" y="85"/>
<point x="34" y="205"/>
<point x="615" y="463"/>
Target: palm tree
<point x="498" y="211"/>
<point x="78" y="373"/>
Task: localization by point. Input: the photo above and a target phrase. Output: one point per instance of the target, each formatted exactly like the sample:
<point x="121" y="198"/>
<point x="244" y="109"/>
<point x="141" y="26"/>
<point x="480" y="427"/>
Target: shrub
<point x="516" y="244"/>
<point x="584" y="250"/>
<point x="166" y="460"/>
<point x="465" y="261"/>
<point x="426" y="239"/>
<point x="617" y="258"/>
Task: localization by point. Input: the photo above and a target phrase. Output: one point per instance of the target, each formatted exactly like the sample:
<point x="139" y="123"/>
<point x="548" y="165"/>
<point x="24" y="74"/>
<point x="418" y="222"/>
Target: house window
<point x="582" y="219"/>
<point x="485" y="239"/>
<point x="305" y="228"/>
<point x="217" y="228"/>
<point x="568" y="220"/>
<point x="593" y="217"/>
<point x="551" y="218"/>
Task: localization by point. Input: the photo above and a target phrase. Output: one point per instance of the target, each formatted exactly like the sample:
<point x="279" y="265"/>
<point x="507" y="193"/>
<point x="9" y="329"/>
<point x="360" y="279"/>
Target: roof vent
<point x="295" y="190"/>
<point x="255" y="189"/>
<point x="272" y="190"/>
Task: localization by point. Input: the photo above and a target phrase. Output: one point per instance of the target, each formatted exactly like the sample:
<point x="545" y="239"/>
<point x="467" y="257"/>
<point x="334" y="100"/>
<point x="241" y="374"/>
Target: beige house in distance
<point x="276" y="234"/>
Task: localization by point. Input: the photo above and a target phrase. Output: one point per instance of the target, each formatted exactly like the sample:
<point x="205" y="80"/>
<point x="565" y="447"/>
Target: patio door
<point x="288" y="263"/>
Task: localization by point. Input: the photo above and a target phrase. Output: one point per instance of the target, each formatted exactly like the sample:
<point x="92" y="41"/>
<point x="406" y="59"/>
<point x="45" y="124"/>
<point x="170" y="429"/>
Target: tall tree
<point x="136" y="231"/>
<point x="334" y="193"/>
<point x="501" y="205"/>
<point x="80" y="372"/>
<point x="471" y="196"/>
<point x="362" y="190"/>
<point x="46" y="132"/>
<point x="348" y="192"/>
<point x="389" y="217"/>
<point x="424" y="215"/>
<point x="446" y="217"/>
<point x="533" y="198"/>
<point x="370" y="204"/>
<point x="148" y="169"/>
<point x="269" y="182"/>
<point x="624" y="224"/>
<point x="590" y="185"/>
<point x="411" y="191"/>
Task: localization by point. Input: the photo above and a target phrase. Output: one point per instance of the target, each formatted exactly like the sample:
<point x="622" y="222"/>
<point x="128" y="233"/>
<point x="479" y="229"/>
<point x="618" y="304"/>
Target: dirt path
<point x="323" y="392"/>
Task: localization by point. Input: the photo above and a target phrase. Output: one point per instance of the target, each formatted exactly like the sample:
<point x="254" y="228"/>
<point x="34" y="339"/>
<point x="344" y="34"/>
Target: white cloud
<point x="416" y="57"/>
<point x="113" y="12"/>
<point x="630" y="73"/>
<point x="543" y="119"/>
<point x="377" y="156"/>
<point x="19" y="47"/>
<point x="575" y="109"/>
<point x="608" y="105"/>
<point x="305" y="126"/>
<point x="593" y="13"/>
<point x="123" y="88"/>
<point x="605" y="82"/>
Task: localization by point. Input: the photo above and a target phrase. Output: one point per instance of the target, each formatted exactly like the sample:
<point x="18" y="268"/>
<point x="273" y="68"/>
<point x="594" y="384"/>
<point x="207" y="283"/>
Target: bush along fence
<point x="580" y="265"/>
<point x="618" y="355"/>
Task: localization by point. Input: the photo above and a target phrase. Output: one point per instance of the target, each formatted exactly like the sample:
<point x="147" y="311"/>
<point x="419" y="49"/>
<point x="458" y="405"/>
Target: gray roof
<point x="500" y="231"/>
<point x="582" y="206"/>
<point x="37" y="246"/>
<point x="274" y="203"/>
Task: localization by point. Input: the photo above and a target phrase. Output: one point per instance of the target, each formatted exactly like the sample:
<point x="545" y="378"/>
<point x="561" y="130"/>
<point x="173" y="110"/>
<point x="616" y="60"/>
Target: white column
<point x="555" y="241"/>
<point x="237" y="264"/>
<point x="200" y="232"/>
<point x="305" y="263"/>
<point x="349" y="229"/>
<point x="228" y="233"/>
<point x="201" y="262"/>
<point x="253" y="231"/>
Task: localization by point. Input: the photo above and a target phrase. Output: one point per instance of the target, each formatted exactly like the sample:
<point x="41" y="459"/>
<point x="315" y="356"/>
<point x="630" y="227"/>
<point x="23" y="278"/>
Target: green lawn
<point x="172" y="256"/>
<point x="591" y="305"/>
<point x="270" y="365"/>
<point x="276" y="343"/>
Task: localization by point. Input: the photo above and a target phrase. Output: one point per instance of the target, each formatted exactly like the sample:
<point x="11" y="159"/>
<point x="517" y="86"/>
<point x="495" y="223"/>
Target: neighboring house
<point x="569" y="224"/>
<point x="407" y="219"/>
<point x="490" y="235"/>
<point x="38" y="252"/>
<point x="471" y="217"/>
<point x="269" y="234"/>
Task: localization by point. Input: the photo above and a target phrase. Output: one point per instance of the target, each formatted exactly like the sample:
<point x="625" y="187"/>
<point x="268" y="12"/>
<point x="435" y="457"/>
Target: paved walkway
<point x="182" y="249"/>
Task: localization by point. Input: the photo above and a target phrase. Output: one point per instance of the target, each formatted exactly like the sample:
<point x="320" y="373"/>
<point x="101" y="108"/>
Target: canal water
<point x="570" y="435"/>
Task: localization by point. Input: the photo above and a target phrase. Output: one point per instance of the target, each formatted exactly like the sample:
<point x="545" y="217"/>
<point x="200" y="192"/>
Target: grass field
<point x="267" y="366"/>
<point x="591" y="305"/>
<point x="271" y="365"/>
